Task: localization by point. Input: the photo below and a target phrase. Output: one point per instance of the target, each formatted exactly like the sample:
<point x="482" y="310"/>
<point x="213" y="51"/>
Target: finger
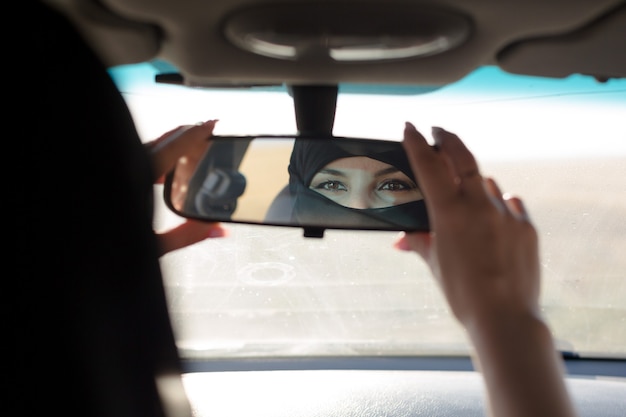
<point x="517" y="207"/>
<point x="402" y="243"/>
<point x="163" y="137"/>
<point x="185" y="140"/>
<point x="419" y="242"/>
<point x="188" y="233"/>
<point x="429" y="166"/>
<point x="464" y="166"/>
<point x="166" y="135"/>
<point x="493" y="188"/>
<point x="495" y="193"/>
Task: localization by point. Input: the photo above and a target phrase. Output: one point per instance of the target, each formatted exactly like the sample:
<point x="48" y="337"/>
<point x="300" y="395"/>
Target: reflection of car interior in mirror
<point x="209" y="185"/>
<point x="321" y="182"/>
<point x="218" y="192"/>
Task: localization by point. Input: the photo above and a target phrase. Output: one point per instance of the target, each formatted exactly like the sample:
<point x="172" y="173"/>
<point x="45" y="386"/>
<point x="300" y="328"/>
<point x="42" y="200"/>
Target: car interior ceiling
<point x="578" y="38"/>
<point x="95" y="302"/>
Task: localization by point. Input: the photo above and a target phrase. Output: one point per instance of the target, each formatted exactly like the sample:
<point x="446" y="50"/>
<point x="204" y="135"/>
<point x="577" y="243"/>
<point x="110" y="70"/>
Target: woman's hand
<point x="483" y="250"/>
<point x="182" y="148"/>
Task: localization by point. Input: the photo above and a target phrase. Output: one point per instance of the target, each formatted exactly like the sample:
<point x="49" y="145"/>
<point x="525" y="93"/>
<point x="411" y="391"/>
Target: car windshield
<point x="264" y="291"/>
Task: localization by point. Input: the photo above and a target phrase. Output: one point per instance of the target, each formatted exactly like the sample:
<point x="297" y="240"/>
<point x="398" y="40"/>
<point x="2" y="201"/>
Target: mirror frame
<point x="241" y="142"/>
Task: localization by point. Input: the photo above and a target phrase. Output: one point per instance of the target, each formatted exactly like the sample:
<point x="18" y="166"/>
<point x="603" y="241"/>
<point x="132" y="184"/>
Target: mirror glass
<point x="314" y="182"/>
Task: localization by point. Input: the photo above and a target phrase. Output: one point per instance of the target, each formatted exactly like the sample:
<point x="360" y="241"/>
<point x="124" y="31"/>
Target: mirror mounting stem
<point x="315" y="107"/>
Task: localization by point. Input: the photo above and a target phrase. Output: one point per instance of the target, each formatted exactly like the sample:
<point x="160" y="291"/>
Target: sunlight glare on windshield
<point x="560" y="144"/>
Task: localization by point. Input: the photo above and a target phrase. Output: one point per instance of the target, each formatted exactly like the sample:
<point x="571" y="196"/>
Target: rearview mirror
<point x="316" y="183"/>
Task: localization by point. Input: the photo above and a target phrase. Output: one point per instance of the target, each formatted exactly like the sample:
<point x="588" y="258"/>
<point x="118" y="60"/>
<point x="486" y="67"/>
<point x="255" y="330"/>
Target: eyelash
<point x="339" y="186"/>
<point x="405" y="186"/>
<point x="324" y="185"/>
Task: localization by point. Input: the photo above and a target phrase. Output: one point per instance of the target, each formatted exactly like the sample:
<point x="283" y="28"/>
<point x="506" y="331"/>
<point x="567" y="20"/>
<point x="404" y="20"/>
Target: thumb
<point x="188" y="233"/>
<point x="419" y="242"/>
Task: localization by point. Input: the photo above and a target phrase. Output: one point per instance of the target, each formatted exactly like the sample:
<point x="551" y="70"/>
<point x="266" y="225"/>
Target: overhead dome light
<point x="385" y="47"/>
<point x="346" y="32"/>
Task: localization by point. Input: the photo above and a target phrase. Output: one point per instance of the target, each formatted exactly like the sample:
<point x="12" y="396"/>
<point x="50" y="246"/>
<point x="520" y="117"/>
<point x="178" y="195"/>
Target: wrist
<point x="509" y="333"/>
<point x="524" y="374"/>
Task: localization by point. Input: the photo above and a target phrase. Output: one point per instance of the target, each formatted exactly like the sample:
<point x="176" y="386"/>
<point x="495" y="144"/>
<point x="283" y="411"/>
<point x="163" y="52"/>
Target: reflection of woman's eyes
<point x="396" y="185"/>
<point x="330" y="185"/>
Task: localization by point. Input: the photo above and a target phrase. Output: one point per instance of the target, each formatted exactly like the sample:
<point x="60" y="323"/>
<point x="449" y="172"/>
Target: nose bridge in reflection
<point x="359" y="195"/>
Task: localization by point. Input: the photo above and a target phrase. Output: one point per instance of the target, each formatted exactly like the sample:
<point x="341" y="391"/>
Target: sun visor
<point x="597" y="49"/>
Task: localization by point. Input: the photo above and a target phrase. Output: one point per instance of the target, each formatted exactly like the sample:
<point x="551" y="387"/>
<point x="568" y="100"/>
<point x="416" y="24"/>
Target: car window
<point x="268" y="291"/>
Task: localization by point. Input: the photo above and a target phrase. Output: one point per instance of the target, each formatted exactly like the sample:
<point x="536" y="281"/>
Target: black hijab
<point x="311" y="207"/>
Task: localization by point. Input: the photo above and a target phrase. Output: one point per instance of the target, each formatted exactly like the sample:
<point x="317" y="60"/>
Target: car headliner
<point x="552" y="38"/>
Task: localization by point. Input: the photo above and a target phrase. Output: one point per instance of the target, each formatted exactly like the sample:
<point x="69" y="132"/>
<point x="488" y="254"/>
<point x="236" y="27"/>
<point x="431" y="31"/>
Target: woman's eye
<point x="330" y="186"/>
<point x="395" y="185"/>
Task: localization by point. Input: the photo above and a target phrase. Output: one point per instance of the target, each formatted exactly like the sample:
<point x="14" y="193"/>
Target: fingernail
<point x="216" y="232"/>
<point x="437" y="133"/>
<point x="409" y="126"/>
<point x="402" y="243"/>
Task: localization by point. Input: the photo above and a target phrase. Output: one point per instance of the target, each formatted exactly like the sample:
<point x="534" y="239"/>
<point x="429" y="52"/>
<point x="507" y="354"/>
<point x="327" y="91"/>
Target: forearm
<point x="521" y="367"/>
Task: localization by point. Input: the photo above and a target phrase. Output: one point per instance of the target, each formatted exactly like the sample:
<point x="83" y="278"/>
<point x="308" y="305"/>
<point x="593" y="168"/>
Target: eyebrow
<point x="340" y="173"/>
<point x="331" y="172"/>
<point x="386" y="171"/>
